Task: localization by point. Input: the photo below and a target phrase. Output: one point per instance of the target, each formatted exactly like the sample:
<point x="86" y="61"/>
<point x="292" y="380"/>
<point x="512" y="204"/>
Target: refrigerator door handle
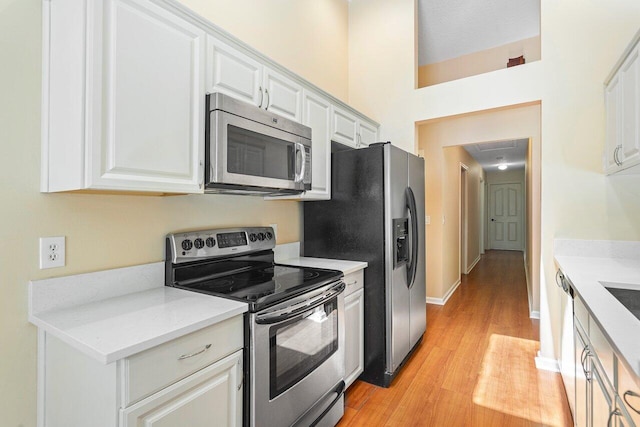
<point x="412" y="266"/>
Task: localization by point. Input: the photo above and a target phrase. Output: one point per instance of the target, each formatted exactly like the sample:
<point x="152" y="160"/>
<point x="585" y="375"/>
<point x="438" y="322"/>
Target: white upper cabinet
<point x="237" y="74"/>
<point x="368" y="133"/>
<point x="233" y="73"/>
<point x="352" y="130"/>
<point x="622" y="102"/>
<point x="123" y="98"/>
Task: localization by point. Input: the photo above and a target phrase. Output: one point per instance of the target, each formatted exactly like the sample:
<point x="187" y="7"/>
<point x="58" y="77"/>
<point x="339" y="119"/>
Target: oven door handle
<point x="295" y="310"/>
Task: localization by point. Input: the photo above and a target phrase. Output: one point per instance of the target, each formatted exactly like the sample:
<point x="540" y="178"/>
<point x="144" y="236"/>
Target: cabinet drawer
<point x="354" y="281"/>
<point x="149" y="371"/>
<point x="581" y="313"/>
<point x="603" y="350"/>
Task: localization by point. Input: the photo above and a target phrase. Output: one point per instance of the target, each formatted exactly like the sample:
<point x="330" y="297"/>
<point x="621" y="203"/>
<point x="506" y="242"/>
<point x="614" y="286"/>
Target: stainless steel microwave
<point x="252" y="151"/>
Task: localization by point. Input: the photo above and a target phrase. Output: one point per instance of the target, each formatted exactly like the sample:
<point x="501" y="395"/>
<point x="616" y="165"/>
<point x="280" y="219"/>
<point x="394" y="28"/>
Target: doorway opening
<point x="464" y="226"/>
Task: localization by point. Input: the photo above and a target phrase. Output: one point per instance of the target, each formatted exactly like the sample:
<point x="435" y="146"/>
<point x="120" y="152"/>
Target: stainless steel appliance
<point x="376" y="214"/>
<point x="252" y="151"/>
<point x="294" y="355"/>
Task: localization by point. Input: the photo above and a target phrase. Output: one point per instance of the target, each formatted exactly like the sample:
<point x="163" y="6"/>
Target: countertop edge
<point x="346" y="266"/>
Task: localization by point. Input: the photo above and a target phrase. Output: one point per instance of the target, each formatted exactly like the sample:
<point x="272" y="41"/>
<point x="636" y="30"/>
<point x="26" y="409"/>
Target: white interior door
<point x="506" y="217"/>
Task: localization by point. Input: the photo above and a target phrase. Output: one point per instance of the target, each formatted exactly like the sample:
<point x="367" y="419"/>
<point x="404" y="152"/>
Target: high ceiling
<point x="451" y="28"/>
<point x="491" y="154"/>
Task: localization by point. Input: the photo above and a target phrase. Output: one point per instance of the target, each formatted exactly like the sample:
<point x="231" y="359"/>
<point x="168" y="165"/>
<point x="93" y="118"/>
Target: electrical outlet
<point x="52" y="252"/>
<point x="427" y="220"/>
<point x="275" y="231"/>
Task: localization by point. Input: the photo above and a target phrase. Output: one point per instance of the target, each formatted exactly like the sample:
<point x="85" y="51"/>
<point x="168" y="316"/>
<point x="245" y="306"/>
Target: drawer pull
<point x="355" y="282"/>
<point x="186" y="356"/>
<point x="633" y="394"/>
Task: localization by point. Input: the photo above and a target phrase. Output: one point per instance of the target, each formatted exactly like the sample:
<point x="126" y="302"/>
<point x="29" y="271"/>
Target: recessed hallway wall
<point x="495" y="125"/>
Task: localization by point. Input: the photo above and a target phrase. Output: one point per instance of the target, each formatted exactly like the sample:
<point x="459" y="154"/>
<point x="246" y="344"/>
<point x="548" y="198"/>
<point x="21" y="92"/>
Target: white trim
<point x="533" y="314"/>
<point x="473" y="264"/>
<point x="40" y="378"/>
<point x="443" y="301"/>
<point x="546" y="364"/>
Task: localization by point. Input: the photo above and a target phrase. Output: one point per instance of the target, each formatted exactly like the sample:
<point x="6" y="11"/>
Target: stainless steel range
<point x="294" y="355"/>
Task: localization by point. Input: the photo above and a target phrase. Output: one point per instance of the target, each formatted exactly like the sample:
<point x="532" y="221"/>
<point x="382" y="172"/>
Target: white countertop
<point x="118" y="318"/>
<point x="332" y="264"/>
<point x="586" y="263"/>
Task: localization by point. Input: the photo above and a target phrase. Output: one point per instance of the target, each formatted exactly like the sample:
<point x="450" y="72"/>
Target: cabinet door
<point x="629" y="393"/>
<point x="233" y="73"/>
<point x="283" y="96"/>
<point x="612" y="147"/>
<point x="344" y="127"/>
<point x="630" y="100"/>
<point x="317" y="115"/>
<point x="600" y="396"/>
<point x="580" y="412"/>
<point x="354" y="335"/>
<point x="368" y="133"/>
<point x="152" y="111"/>
<point x="210" y="397"/>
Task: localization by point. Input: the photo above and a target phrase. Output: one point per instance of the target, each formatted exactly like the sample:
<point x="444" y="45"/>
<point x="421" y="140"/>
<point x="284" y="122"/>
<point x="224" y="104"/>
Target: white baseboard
<point x="443" y="301"/>
<point x="546" y="364"/>
<point x="473" y="264"/>
<point x="533" y="314"/>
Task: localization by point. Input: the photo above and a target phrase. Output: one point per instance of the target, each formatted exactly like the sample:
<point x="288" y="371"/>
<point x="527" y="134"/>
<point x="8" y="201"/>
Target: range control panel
<point x="197" y="245"/>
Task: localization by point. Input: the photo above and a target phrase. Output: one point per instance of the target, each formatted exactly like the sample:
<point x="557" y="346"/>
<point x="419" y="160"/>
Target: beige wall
<point x="309" y="37"/>
<point x="580" y="43"/>
<point x="106" y="231"/>
<point x="442" y="199"/>
<point x="484" y="61"/>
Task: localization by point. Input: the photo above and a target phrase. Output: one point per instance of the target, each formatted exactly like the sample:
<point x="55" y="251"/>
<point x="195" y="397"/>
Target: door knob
<point x="493" y="220"/>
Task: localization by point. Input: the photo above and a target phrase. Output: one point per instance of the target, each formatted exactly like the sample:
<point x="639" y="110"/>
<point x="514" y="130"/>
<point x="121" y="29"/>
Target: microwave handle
<point x="303" y="165"/>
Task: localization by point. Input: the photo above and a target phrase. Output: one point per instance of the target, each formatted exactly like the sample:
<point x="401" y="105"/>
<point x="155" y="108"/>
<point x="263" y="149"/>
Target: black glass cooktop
<point x="260" y="284"/>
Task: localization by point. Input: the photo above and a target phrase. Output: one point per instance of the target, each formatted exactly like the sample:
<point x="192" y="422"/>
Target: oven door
<point x="246" y="153"/>
<point x="297" y="355"/>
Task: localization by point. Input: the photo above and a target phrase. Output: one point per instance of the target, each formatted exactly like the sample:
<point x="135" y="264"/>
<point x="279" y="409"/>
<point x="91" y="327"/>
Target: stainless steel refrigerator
<point x="376" y="214"/>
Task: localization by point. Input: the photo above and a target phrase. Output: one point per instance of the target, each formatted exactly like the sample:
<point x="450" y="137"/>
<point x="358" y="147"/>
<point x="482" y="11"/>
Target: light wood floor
<point x="475" y="365"/>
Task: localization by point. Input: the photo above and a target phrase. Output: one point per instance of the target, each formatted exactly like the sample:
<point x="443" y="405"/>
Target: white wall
<point x="107" y="231"/>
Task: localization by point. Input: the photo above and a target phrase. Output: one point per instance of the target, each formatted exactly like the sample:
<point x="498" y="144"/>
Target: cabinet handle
<point x="201" y="169"/>
<point x="583" y="360"/>
<point x="186" y="356"/>
<point x="262" y="98"/>
<point x="355" y="282"/>
<point x="266" y="92"/>
<point x="613" y="413"/>
<point x="615" y="155"/>
<point x="632" y="394"/>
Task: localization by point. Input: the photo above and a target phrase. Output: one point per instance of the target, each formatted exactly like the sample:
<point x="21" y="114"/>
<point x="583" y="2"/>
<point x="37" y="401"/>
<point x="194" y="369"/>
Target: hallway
<point x="475" y="365"/>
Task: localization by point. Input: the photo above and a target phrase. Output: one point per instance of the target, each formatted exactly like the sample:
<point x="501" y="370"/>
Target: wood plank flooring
<point x="475" y="365"/>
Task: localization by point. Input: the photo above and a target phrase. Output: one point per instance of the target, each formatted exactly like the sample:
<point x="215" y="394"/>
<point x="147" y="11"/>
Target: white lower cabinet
<point x="210" y="397"/>
<point x="601" y="379"/>
<point x="354" y="326"/>
<point x="195" y="380"/>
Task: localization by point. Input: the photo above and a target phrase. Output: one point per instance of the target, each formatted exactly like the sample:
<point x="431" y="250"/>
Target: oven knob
<point x="210" y="242"/>
<point x="253" y="237"/>
<point x="269" y="235"/>
<point x="198" y="243"/>
<point x="186" y="244"/>
<point x="261" y="236"/>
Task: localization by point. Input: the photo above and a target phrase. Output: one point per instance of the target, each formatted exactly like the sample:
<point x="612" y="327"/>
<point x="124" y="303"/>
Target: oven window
<point x="251" y="153"/>
<point x="300" y="345"/>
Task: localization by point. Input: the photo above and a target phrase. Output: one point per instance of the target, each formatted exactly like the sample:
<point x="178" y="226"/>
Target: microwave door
<point x="248" y="153"/>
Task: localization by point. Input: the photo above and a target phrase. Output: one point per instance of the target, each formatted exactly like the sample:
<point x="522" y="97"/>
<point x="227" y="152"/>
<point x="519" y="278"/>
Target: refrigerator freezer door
<point x="418" y="292"/>
<point x="397" y="289"/>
